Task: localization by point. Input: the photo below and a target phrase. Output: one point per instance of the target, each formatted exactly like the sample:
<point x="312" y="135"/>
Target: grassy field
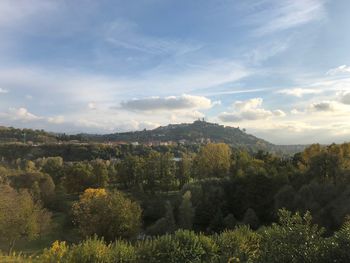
<point x="60" y="230"/>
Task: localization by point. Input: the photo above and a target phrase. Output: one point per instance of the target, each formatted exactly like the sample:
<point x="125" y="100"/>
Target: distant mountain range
<point x="187" y="133"/>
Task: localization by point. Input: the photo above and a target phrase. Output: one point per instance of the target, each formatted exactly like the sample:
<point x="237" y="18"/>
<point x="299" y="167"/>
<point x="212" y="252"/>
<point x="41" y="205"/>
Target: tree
<point x="107" y="214"/>
<point x="341" y="251"/>
<point x="78" y="177"/>
<point x="293" y="239"/>
<point x="39" y="184"/>
<point x="239" y="245"/>
<point x="164" y="225"/>
<point x="100" y="172"/>
<point x="183" y="171"/>
<point x="54" y="167"/>
<point x="186" y="212"/>
<point x="159" y="172"/>
<point x="213" y="160"/>
<point x="20" y="216"/>
<point x="130" y="171"/>
<point x="250" y="218"/>
<point x="230" y="221"/>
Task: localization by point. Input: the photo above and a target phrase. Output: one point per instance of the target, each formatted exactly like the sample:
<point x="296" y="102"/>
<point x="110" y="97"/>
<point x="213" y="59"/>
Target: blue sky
<point x="275" y="67"/>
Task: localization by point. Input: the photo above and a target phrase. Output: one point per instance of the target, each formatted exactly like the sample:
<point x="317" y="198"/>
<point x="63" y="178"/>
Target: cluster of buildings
<point x="163" y="143"/>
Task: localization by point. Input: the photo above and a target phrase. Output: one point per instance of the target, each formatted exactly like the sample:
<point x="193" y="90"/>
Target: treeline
<point x="139" y="195"/>
<point x="75" y="152"/>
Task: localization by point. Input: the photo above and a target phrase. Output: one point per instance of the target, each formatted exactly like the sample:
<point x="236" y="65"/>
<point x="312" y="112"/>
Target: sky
<point x="278" y="68"/>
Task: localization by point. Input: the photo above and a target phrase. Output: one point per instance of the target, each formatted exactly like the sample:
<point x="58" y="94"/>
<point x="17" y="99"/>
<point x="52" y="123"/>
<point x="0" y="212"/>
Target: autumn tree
<point x="20" y="216"/>
<point x="213" y="160"/>
<point x="108" y="214"/>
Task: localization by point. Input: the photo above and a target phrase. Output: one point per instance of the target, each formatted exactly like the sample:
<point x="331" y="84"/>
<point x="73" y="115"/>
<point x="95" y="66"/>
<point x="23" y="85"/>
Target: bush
<point x="239" y="245"/>
<point x="56" y="253"/>
<point x="340" y="244"/>
<point x="184" y="246"/>
<point x="294" y="239"/>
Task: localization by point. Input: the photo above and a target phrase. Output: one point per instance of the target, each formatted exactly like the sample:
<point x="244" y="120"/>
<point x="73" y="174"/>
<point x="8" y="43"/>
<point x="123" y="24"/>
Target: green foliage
<point x="186" y="212"/>
<point x="130" y="171"/>
<point x="251" y="219"/>
<point x="230" y="221"/>
<point x="56" y="253"/>
<point x="107" y="214"/>
<point x="159" y="172"/>
<point x="239" y="245"/>
<point x="20" y="216"/>
<point x="340" y="243"/>
<point x="39" y="184"/>
<point x="184" y="169"/>
<point x="294" y="239"/>
<point x="184" y="246"/>
<point x="164" y="225"/>
<point x="213" y="160"/>
<point x="91" y="250"/>
<point x="54" y="167"/>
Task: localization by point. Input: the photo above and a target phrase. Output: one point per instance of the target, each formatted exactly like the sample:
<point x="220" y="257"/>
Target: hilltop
<point x="198" y="132"/>
<point x="193" y="133"/>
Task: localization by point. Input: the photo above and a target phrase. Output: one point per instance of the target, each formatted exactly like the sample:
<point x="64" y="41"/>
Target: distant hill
<point x="196" y="132"/>
<point x="9" y="134"/>
<point x="187" y="133"/>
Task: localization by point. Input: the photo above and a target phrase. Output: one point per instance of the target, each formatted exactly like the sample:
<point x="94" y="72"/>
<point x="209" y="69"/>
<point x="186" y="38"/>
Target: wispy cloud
<point x="124" y="34"/>
<point x="282" y="15"/>
<point x="339" y="70"/>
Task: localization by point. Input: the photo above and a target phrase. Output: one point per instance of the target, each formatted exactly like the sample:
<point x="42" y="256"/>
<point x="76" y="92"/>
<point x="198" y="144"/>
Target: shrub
<point x="294" y="239"/>
<point x="184" y="246"/>
<point x="239" y="245"/>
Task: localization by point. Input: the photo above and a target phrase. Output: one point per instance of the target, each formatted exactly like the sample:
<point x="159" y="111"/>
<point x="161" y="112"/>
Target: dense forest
<point x="190" y="203"/>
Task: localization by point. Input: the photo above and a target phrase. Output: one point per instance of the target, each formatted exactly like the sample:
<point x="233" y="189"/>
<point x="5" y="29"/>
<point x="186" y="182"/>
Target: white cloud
<point x="249" y="110"/>
<point x="299" y="92"/>
<point x="56" y="119"/>
<point x="168" y="103"/>
<point x="248" y="104"/>
<point x="21" y="114"/>
<point x="339" y="70"/>
<point x="3" y="90"/>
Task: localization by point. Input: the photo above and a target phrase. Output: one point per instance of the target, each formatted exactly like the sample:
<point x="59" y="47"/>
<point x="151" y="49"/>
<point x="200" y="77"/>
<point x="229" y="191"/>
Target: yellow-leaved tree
<point x="107" y="214"/>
